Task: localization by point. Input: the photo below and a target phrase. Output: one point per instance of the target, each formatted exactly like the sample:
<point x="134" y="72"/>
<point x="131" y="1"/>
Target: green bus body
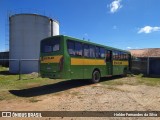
<point x="64" y="57"/>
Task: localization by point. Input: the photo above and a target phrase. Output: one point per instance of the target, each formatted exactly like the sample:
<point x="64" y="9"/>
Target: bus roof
<point x="80" y="40"/>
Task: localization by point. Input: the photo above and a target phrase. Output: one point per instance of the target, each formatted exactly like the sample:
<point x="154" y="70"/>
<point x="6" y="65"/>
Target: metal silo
<point x="26" y="32"/>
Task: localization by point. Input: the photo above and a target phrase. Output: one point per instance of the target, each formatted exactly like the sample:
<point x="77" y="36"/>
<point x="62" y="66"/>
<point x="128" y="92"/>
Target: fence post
<point x="19" y="69"/>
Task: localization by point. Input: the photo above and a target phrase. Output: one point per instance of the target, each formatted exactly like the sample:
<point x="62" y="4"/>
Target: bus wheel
<point x="96" y="76"/>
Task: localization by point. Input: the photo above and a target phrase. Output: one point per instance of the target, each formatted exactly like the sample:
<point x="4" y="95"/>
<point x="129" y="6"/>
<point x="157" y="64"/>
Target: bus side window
<point x="126" y="56"/>
<point x="86" y="50"/>
<point x="70" y="46"/>
<point x="116" y="55"/>
<point x="78" y="49"/>
<point x="113" y="55"/>
<point x="92" y="51"/>
<point x="119" y="55"/>
<point x="97" y="52"/>
<point x="123" y="56"/>
<point x="102" y="52"/>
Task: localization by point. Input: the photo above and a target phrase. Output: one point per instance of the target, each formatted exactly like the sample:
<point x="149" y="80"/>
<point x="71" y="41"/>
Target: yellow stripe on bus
<point x="78" y="61"/>
<point x="118" y="62"/>
<point x="51" y="59"/>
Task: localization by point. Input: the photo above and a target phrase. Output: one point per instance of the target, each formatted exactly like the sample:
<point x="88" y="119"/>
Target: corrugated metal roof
<point x="149" y="52"/>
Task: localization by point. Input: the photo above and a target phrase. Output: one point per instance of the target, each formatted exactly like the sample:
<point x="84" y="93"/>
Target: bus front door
<point x="109" y="62"/>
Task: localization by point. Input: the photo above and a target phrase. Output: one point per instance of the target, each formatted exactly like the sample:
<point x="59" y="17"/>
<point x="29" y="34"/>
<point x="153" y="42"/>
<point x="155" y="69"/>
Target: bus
<point x="64" y="57"/>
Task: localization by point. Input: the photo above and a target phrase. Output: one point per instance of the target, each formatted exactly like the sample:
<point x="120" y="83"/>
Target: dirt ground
<point x="92" y="97"/>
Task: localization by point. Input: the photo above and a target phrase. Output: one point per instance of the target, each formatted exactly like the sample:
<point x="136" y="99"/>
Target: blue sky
<point x="125" y="24"/>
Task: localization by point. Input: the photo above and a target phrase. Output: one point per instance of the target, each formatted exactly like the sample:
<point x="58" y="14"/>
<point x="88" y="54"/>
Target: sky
<point x="124" y="24"/>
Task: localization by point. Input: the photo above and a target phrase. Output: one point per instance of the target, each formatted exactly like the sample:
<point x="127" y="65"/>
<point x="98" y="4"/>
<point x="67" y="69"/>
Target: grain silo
<point x="26" y="32"/>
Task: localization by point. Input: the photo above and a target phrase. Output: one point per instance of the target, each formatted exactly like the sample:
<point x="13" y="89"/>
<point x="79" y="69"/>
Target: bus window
<point x="97" y="52"/>
<point x="119" y="55"/>
<point x="123" y="56"/>
<point x="102" y="52"/>
<point x="116" y="55"/>
<point x="86" y="50"/>
<point x="47" y="49"/>
<point x="92" y="51"/>
<point x="113" y="55"/>
<point x="50" y="46"/>
<point x="56" y="45"/>
<point x="70" y="46"/>
<point x="126" y="56"/>
<point x="78" y="49"/>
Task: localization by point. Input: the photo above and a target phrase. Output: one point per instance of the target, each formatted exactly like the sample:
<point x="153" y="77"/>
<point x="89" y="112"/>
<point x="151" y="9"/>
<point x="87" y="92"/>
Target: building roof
<point x="148" y="52"/>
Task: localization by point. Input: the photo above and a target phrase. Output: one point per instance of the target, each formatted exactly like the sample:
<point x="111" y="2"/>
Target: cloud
<point x="115" y="6"/>
<point x="128" y="47"/>
<point x="114" y="27"/>
<point x="86" y="34"/>
<point x="148" y="29"/>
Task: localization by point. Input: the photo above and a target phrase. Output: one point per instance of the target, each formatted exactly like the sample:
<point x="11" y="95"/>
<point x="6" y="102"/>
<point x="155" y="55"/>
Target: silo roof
<point x="35" y="15"/>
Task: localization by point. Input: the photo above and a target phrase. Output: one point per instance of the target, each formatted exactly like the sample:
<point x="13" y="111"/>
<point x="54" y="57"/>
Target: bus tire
<point x="96" y="76"/>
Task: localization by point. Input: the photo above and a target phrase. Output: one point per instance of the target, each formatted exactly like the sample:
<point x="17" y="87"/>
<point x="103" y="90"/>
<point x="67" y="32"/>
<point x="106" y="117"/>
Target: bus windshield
<point x="48" y="46"/>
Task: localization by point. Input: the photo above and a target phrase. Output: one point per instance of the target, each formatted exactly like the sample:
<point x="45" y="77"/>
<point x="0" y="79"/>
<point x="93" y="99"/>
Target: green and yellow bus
<point x="64" y="57"/>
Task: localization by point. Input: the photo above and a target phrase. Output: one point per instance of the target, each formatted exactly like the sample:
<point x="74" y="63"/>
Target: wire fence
<point x="20" y="68"/>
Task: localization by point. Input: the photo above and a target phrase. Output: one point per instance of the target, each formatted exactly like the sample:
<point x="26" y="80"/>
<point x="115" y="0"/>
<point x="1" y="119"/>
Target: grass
<point x="33" y="100"/>
<point x="75" y="93"/>
<point x="6" y="83"/>
<point x="11" y="82"/>
<point x="115" y="89"/>
<point x="148" y="80"/>
<point x="1" y="98"/>
<point x="134" y="80"/>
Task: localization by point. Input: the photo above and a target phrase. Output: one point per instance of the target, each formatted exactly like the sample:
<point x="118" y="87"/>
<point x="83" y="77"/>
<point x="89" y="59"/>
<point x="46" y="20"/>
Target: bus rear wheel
<point x="96" y="76"/>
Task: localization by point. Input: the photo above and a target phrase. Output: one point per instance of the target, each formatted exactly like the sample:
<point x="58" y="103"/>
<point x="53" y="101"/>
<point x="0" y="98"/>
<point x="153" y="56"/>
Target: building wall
<point x="4" y="55"/>
<point x="154" y="66"/>
<point x="147" y="66"/>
